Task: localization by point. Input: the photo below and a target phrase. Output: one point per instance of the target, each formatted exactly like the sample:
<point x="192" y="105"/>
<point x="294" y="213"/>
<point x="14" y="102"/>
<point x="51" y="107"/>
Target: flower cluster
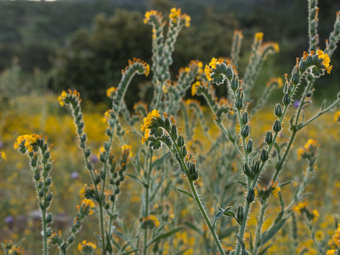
<point x="321" y="56"/>
<point x="336" y="237"/>
<point x="66" y="96"/>
<point x="194" y="87"/>
<point x="150" y="221"/>
<point x="325" y="60"/>
<point x="26" y="142"/>
<point x="137" y="61"/>
<point x="110" y="91"/>
<point x="87" y="206"/>
<point x="174" y="14"/>
<point x="149" y="14"/>
<point x="301" y="208"/>
<point x="86" y="246"/>
<point x="259" y="36"/>
<point x="147" y="122"/>
<point x="309" y="149"/>
<point x="212" y="65"/>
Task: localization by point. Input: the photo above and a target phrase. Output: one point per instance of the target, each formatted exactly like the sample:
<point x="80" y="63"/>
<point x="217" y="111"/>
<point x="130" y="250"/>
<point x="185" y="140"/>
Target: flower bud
<point x="246" y="170"/>
<point x="250" y="195"/>
<point x="264" y="155"/>
<point x="296" y="78"/>
<point x="245" y="118"/>
<point x="286" y="99"/>
<point x="277" y="126"/>
<point x="234" y="84"/>
<point x="245" y="131"/>
<point x="256" y="167"/>
<point x="278" y="110"/>
<point x="269" y="138"/>
<point x="239" y="103"/>
<point x="49" y="218"/>
<point x="180" y="141"/>
<point x="249" y="147"/>
<point x="239" y="214"/>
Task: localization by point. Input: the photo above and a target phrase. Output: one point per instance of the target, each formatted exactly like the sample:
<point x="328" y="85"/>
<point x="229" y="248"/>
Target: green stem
<point x="259" y="228"/>
<point x="101" y="219"/>
<point x="146" y="209"/>
<point x="205" y="216"/>
<point x="43" y="212"/>
<point x="195" y="195"/>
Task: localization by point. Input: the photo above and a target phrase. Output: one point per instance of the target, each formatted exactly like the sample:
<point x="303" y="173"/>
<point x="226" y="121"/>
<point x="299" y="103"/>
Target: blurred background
<point x="55" y="45"/>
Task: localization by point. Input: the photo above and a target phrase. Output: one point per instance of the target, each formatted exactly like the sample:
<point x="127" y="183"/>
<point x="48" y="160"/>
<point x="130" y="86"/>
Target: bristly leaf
<point x="165" y="235"/>
<point x="186" y="193"/>
<point x="220" y="213"/>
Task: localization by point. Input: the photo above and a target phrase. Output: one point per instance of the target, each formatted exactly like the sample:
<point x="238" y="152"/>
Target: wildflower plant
<point x="218" y="178"/>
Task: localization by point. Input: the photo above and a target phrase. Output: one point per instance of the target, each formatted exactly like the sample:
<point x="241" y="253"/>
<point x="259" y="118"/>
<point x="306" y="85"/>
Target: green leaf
<point x="165" y="235"/>
<point x="159" y="161"/>
<point x="243" y="247"/>
<point x="269" y="234"/>
<point x="265" y="249"/>
<point x="227" y="232"/>
<point x="129" y="252"/>
<point x="136" y="179"/>
<point x="187" y="193"/>
<point x="220" y="214"/>
<point x="193" y="227"/>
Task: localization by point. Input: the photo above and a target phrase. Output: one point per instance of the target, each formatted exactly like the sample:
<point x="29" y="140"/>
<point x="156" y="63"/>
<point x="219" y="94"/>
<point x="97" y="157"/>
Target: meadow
<point x="186" y="172"/>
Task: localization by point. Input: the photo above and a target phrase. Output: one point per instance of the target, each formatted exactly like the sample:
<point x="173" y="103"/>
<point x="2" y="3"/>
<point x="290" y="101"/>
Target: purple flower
<point x="74" y="175"/>
<point x="9" y="219"/>
<point x="1" y="144"/>
<point x="94" y="158"/>
<point x="296" y="103"/>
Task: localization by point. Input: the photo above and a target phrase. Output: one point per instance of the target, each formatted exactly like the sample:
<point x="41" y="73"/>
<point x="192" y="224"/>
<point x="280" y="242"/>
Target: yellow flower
<point x="127" y="149"/>
<point x="300" y="152"/>
<point x="315" y="215"/>
<point x="311" y="145"/>
<point x="62" y="97"/>
<point x="101" y="151"/>
<point x="337" y="117"/>
<point x="300" y="206"/>
<point x="147" y="122"/>
<point x="194" y="87"/>
<point x="319" y="235"/>
<point x="331" y="252"/>
<point x="187" y="20"/>
<point x="212" y="65"/>
<point x="149" y="14"/>
<point x="259" y="36"/>
<point x="3" y="155"/>
<point x="325" y="60"/>
<point x="87" y="204"/>
<point x="85" y="245"/>
<point x="275" y="190"/>
<point x="276" y="47"/>
<point x="110" y="91"/>
<point x="152" y="218"/>
<point x="146" y="69"/>
<point x="27" y="141"/>
<point x="174" y="14"/>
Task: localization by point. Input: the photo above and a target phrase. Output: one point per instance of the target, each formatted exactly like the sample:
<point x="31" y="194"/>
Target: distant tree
<point x="92" y="60"/>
